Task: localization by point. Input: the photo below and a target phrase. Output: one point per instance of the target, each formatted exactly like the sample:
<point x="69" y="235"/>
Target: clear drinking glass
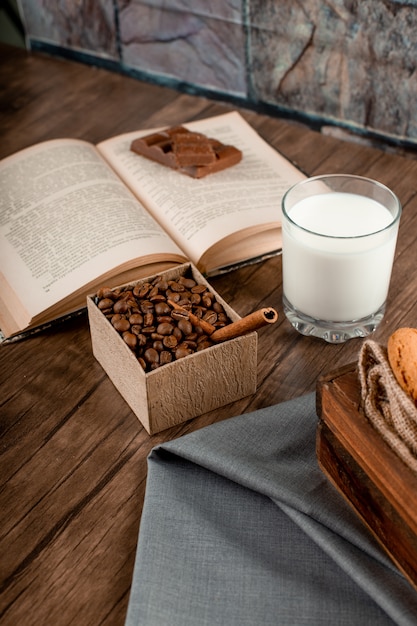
<point x="339" y="236"/>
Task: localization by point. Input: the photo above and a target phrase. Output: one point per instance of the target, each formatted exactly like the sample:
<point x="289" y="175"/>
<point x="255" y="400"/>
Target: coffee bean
<point x="190" y="344"/>
<point x="188" y="283"/>
<point x="166" y="328"/>
<point x="105" y="292"/>
<point x="170" y="342"/>
<point x="151" y="355"/>
<point x="185" y="326"/>
<point x="177" y="334"/>
<point x="210" y="317"/>
<point x="141" y="291"/>
<point x="130" y="339"/>
<point x="146" y="306"/>
<point x="207" y="300"/>
<point x="198" y="289"/>
<point x="165" y="357"/>
<point x="121" y="324"/>
<point x="203" y="345"/>
<point x="195" y="298"/>
<point x="120" y="306"/>
<point x="136" y="318"/>
<point x="158" y="298"/>
<point x="155" y="331"/>
<point x="176" y="286"/>
<point x="161" y="284"/>
<point x="182" y="351"/>
<point x="164" y="319"/>
<point x="179" y="315"/>
<point x="162" y="308"/>
<point x="172" y="295"/>
<point x="142" y="340"/>
<point x="105" y="303"/>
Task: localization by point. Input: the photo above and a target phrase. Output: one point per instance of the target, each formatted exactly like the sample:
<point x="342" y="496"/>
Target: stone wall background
<point x="346" y="63"/>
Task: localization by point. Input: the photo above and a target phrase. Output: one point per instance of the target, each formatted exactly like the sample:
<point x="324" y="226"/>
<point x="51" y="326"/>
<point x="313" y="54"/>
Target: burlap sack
<point x="389" y="409"/>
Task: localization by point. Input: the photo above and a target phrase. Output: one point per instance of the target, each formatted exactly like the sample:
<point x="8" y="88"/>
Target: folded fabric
<point x="386" y="405"/>
<point x="241" y="528"/>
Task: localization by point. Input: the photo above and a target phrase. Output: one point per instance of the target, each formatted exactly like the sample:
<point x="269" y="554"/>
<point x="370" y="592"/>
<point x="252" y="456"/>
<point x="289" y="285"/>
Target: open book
<point x="74" y="216"/>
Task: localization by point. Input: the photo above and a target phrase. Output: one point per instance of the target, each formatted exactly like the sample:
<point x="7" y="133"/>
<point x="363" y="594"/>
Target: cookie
<point x="402" y="357"/>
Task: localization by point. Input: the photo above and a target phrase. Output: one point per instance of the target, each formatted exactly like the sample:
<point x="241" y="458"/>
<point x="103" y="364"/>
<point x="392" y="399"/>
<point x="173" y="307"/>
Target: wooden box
<point x="374" y="480"/>
<point x="183" y="389"/>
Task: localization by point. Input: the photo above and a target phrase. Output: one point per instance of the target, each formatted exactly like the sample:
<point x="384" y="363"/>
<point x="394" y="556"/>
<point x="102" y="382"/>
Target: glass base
<point x="332" y="332"/>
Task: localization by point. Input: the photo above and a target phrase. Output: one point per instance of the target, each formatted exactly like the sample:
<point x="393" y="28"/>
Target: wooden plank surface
<point x="73" y="455"/>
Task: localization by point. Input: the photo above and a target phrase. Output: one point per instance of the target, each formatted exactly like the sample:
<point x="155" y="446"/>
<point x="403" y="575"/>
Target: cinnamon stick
<point x="247" y="324"/>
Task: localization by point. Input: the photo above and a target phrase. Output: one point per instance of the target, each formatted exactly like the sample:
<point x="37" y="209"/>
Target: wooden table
<point x="73" y="455"/>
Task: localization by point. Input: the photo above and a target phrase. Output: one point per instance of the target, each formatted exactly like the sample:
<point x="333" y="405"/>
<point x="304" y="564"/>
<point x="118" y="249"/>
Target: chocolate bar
<point x="193" y="149"/>
<point x="190" y="153"/>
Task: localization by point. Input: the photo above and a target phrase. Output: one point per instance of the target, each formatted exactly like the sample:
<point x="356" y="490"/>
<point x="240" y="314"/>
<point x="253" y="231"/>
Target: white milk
<point x="343" y="273"/>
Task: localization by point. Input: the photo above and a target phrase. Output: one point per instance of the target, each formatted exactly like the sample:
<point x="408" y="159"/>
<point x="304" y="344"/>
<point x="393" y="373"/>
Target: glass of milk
<point x="339" y="236"/>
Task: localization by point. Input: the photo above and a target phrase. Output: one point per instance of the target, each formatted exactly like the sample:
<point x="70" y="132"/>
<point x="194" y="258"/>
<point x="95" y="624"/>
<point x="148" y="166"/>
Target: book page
<point x="66" y="218"/>
<point x="197" y="213"/>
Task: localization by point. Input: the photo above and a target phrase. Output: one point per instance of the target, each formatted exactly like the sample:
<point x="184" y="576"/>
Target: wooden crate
<point x="183" y="389"/>
<point x="374" y="480"/>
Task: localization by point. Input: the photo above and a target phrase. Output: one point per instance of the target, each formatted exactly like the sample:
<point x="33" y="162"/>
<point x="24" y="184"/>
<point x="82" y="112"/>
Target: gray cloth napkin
<point x="241" y="528"/>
